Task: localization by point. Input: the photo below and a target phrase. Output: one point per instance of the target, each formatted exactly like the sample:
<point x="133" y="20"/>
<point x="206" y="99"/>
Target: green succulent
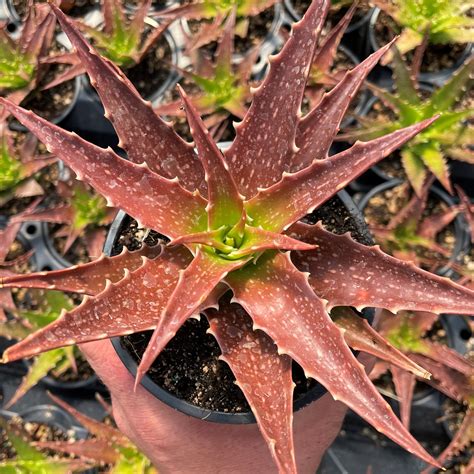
<point x="449" y="137"/>
<point x="445" y="21"/>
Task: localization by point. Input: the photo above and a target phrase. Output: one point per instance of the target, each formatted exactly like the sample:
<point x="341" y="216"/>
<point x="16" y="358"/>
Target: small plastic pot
<point x="460" y="234"/>
<point x="267" y="45"/>
<point x="436" y="78"/>
<point x="121" y="221"/>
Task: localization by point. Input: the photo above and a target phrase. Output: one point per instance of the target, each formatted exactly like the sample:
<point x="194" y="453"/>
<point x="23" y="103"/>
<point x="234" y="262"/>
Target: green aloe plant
<point x="18" y="165"/>
<point x="20" y="60"/>
<point x="121" y="40"/>
<point x="224" y="87"/>
<point x="57" y="361"/>
<point x="449" y="137"/>
<point x="84" y="214"/>
<point x="444" y="21"/>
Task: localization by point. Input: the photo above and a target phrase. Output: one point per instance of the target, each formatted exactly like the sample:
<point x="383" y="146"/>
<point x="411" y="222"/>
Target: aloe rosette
<point x="443" y="21"/>
<point x="451" y="135"/>
<point x="20" y="60"/>
<point x="234" y="239"/>
<point x="224" y="86"/>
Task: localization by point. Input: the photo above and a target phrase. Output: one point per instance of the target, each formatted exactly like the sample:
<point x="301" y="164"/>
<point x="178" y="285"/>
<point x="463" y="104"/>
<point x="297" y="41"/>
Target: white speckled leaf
<point x="347" y="273"/>
<point x="194" y="285"/>
<point x="154" y="201"/>
<point x="306" y="333"/>
<point x="298" y="194"/>
<point x="262" y="374"/>
<point x="265" y="139"/>
<point x="225" y="204"/>
<point x="359" y="335"/>
<point x="144" y="136"/>
<point x="89" y="278"/>
<point x="318" y="128"/>
<point x="131" y="305"/>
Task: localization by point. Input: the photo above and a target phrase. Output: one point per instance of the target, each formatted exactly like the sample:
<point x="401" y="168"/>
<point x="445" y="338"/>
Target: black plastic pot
<point x="435" y="78"/>
<point x="120" y="223"/>
<point x="9" y="14"/>
<point x="460" y="226"/>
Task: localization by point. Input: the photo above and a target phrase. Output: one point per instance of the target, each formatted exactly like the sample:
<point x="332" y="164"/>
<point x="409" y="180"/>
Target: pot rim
<point x="461" y="238"/>
<point x="185" y="407"/>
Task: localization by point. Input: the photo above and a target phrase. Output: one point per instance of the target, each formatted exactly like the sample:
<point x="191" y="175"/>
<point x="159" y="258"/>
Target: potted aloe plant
<point x="229" y="218"/>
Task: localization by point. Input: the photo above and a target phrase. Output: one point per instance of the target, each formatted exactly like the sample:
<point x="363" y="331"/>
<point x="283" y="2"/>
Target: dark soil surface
<point x="437" y="56"/>
<point x="153" y="71"/>
<point x="382" y="207"/>
<point x="259" y="27"/>
<point x="76" y="8"/>
<point x="189" y="367"/>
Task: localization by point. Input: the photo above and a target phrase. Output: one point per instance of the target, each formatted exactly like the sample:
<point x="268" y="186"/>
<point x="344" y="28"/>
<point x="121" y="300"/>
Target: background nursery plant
<point x="449" y="137"/>
<point x="444" y="21"/>
<point x="225" y="216"/>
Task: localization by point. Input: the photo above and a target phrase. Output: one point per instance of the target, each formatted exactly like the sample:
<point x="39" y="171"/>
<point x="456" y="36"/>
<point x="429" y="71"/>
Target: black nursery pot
<point x="460" y="234"/>
<point x="338" y="212"/>
<point x="438" y="77"/>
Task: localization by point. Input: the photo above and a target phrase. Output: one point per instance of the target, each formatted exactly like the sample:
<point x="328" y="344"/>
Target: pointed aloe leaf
<point x="452" y="383"/>
<point x="404" y="387"/>
<point x="144" y="136"/>
<point x="447" y="356"/>
<point x="98" y="450"/>
<point x="298" y="194"/>
<point x="431" y="226"/>
<point x="156" y="202"/>
<point x="307" y="334"/>
<point x="434" y="159"/>
<point x="260" y="152"/>
<point x="326" y="53"/>
<point x="317" y="129"/>
<point x="31" y="167"/>
<point x="468" y="209"/>
<point x="446" y="96"/>
<point x="262" y="374"/>
<point x="194" y="285"/>
<point x="89" y="278"/>
<point x="415" y="169"/>
<point x="59" y="215"/>
<point x="41" y="466"/>
<point x="131" y="305"/>
<point x="347" y="273"/>
<point x="359" y="335"/>
<point x="225" y="205"/>
<point x="40" y="367"/>
<point x="406" y="89"/>
<point x="225" y="49"/>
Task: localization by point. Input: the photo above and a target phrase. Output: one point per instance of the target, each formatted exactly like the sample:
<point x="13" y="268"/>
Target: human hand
<point x="180" y="444"/>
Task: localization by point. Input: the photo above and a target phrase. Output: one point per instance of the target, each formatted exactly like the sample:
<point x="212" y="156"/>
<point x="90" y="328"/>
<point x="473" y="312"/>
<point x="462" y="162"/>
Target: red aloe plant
<point x="450" y="371"/>
<point x="236" y="236"/>
<point x="409" y="232"/>
<point x="224" y="88"/>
